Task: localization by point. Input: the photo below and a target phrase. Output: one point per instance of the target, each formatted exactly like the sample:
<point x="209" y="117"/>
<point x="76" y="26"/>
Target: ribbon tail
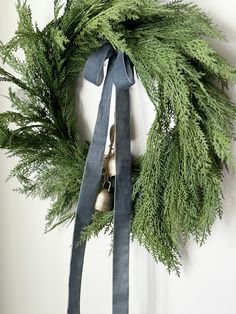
<point x="122" y="215"/>
<point x="88" y="192"/>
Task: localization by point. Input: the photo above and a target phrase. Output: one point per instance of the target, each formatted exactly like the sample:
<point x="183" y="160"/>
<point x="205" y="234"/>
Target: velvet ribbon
<point x="119" y="73"/>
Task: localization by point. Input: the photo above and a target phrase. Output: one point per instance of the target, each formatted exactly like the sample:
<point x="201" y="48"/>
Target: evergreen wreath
<point x="177" y="189"/>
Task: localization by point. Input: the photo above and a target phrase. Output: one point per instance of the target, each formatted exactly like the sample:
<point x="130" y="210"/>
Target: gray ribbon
<point x="119" y="72"/>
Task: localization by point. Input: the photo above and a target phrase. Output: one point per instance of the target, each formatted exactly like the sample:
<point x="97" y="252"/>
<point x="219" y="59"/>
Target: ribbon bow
<point x="119" y="73"/>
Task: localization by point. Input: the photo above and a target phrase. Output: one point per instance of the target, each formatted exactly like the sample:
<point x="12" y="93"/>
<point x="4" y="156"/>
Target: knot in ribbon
<point x="119" y="73"/>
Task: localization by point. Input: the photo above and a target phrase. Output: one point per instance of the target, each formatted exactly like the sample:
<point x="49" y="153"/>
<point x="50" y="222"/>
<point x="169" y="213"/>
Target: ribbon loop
<point x="123" y="75"/>
<point x="93" y="71"/>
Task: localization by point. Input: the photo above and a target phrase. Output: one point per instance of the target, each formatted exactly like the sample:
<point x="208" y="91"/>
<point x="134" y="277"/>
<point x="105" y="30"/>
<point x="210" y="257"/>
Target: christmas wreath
<point x="177" y="189"/>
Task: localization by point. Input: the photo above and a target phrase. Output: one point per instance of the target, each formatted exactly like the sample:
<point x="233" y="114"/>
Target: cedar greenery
<point x="177" y="190"/>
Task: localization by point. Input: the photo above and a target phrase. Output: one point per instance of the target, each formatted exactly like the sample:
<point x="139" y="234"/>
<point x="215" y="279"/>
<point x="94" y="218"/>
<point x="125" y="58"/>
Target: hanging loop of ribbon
<point x="119" y="73"/>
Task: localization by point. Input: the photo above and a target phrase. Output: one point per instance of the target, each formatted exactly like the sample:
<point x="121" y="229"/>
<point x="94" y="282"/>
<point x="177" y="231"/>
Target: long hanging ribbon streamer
<point x="119" y="72"/>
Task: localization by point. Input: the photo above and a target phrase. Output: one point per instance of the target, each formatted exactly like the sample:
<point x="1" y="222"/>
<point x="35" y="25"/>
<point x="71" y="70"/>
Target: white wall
<point x="34" y="267"/>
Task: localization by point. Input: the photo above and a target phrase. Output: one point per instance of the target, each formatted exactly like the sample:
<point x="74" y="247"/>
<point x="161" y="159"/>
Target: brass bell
<point x="104" y="199"/>
<point x="112" y="166"/>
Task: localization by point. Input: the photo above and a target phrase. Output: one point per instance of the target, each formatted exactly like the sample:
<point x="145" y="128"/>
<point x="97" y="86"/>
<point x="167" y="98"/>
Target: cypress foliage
<point x="177" y="184"/>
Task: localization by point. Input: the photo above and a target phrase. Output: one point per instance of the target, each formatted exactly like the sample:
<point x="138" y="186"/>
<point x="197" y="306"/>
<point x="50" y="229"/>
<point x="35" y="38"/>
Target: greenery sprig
<point x="177" y="185"/>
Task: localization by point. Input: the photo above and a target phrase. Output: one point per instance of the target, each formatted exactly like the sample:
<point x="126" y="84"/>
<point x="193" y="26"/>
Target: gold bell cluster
<point x="104" y="201"/>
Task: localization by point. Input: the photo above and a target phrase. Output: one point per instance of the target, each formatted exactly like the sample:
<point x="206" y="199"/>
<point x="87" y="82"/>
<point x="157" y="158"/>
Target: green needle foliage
<point x="177" y="190"/>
